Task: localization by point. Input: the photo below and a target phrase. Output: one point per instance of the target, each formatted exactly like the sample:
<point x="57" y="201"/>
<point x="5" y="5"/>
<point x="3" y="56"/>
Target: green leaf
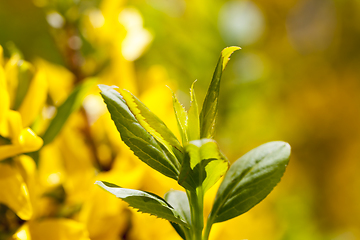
<point x="181" y="117"/>
<point x="71" y="104"/>
<point x="210" y="107"/>
<point x="179" y="201"/>
<point x="145" y="202"/>
<point x="144" y="145"/>
<point x="203" y="165"/>
<point x="154" y="126"/>
<point x="193" y="125"/>
<point x="249" y="180"/>
<point x="179" y="230"/>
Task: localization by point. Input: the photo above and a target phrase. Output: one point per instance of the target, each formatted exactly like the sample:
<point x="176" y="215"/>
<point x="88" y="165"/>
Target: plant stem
<point x="208" y="228"/>
<point x="197" y="212"/>
<point x="187" y="234"/>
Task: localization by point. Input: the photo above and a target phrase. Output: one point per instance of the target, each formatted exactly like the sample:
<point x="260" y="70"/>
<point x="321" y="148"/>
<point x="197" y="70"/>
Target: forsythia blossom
<point x="15" y="135"/>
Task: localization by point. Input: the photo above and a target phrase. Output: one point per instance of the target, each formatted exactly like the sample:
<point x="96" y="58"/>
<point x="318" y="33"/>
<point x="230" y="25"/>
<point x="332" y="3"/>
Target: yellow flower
<point x="14" y="192"/>
<point x="54" y="229"/>
<point x="15" y="135"/>
<point x="22" y="139"/>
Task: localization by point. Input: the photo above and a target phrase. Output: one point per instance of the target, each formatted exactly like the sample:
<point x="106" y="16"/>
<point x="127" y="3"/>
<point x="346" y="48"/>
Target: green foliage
<point x="145" y="202"/>
<point x="63" y="112"/>
<point x="197" y="164"/>
<point x="144" y="145"/>
<point x="193" y="125"/>
<point x="250" y="179"/>
<point x="71" y="104"/>
<point x="155" y="127"/>
<point x="203" y="165"/>
<point x="210" y="107"/>
<point x="180" y="202"/>
<point x="182" y="119"/>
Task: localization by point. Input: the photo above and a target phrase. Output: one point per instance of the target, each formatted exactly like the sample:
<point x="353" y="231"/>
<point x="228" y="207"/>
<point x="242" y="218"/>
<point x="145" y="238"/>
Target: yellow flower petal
<point x="51" y="173"/>
<point x="14" y="192"/>
<point x="104" y="215"/>
<point x="12" y="126"/>
<point x="34" y="99"/>
<point x="29" y="140"/>
<point x="60" y="80"/>
<point x="27" y="168"/>
<point x="29" y="172"/>
<point x="54" y="229"/>
<point x="23" y="233"/>
<point x="4" y="100"/>
<point x="146" y="227"/>
<point x="7" y="151"/>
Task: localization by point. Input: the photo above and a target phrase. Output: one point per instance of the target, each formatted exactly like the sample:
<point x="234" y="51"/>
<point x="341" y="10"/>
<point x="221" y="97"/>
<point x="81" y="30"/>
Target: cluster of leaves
<point x="196" y="164"/>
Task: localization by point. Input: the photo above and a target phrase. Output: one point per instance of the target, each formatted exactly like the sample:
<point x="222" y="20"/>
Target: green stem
<point x="197" y="212"/>
<point x="187" y="233"/>
<point x="208" y="228"/>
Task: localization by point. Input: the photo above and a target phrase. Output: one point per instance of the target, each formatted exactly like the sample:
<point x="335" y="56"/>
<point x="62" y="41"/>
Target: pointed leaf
<point x="154" y="126"/>
<point x="179" y="230"/>
<point x="140" y="141"/>
<point x="249" y="180"/>
<point x="193" y="125"/>
<point x="203" y="165"/>
<point x="181" y="117"/>
<point x="226" y="53"/>
<point x="145" y="202"/>
<point x="71" y="104"/>
<point x="179" y="201"/>
<point x="210" y="106"/>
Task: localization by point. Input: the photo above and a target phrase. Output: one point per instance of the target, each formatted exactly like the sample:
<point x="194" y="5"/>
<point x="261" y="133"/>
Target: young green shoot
<point x="196" y="163"/>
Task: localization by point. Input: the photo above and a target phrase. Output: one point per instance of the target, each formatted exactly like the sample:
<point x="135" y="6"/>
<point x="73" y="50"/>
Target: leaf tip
<point x="100" y="184"/>
<point x="288" y="148"/>
<point x="284" y="145"/>
<point x="104" y="87"/>
<point x="226" y="53"/>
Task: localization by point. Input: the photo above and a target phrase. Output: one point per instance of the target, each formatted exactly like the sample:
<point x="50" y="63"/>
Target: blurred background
<point x="296" y="79"/>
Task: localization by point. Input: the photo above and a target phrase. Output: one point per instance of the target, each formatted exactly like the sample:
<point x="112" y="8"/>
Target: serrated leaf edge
<point x="183" y="222"/>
